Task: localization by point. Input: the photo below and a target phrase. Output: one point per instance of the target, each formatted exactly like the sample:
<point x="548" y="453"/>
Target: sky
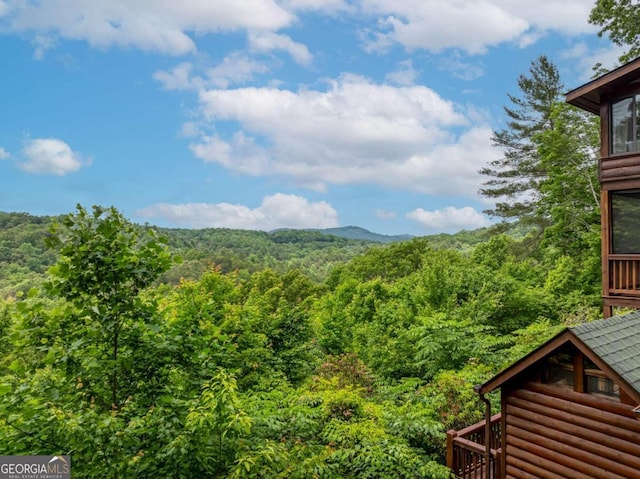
<point x="266" y="114"/>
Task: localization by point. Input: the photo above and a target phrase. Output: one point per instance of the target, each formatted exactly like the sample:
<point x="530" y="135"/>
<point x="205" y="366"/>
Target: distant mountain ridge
<point x="357" y="233"/>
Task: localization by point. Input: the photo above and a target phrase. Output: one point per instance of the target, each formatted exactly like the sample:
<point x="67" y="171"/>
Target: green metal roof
<point x="616" y="341"/>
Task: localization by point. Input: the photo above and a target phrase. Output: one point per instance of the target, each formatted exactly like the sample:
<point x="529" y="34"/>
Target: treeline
<point x="266" y="374"/>
<point x="24" y="259"/>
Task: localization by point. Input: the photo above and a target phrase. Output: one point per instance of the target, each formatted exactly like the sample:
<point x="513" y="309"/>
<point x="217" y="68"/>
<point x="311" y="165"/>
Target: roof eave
<point x="524" y="362"/>
<point x="547" y="348"/>
<point x="587" y="96"/>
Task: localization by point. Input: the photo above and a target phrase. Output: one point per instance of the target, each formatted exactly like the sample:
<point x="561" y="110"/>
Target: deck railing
<point x="624" y="275"/>
<point x="467" y="453"/>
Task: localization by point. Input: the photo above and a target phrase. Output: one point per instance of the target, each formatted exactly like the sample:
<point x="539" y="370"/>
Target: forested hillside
<point x="24" y="258"/>
<point x="266" y="373"/>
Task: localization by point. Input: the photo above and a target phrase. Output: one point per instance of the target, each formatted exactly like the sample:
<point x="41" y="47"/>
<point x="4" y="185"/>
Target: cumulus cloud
<point x="470" y="25"/>
<point x="4" y="154"/>
<point x="145" y="24"/>
<point x="50" y="156"/>
<point x="170" y="27"/>
<point x="269" y="41"/>
<point x="354" y="132"/>
<point x="276" y="211"/>
<point x="449" y="219"/>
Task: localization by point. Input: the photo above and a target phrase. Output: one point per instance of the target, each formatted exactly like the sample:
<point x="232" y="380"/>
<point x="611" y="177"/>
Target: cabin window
<point x="559" y="370"/>
<point x="625" y="222"/>
<point x="597" y="383"/>
<point x="624" y="125"/>
<point x="569" y="368"/>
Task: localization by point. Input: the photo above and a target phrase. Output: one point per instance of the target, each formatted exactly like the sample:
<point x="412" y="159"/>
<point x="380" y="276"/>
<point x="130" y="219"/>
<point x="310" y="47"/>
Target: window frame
<point x="634" y="96"/>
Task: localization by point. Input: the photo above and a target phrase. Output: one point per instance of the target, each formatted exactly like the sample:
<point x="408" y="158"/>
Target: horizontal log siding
<point x="616" y="168"/>
<point x="554" y="433"/>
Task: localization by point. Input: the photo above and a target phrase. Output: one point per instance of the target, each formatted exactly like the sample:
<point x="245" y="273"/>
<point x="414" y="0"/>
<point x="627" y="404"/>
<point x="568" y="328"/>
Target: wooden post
<point x="499" y="474"/>
<point x="605" y="233"/>
<point x="451" y="433"/>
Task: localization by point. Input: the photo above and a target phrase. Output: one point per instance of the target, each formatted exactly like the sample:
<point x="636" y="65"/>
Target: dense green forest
<point x="218" y="353"/>
<point x="24" y="259"/>
<point x="247" y="371"/>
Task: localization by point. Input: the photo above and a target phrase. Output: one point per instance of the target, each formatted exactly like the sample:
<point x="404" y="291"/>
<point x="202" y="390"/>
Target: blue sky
<point x="265" y="114"/>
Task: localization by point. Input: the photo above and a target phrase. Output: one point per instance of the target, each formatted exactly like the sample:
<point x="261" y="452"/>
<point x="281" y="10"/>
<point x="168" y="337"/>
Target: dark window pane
<point x="559" y="369"/>
<point x="625" y="222"/>
<point x="597" y="383"/>
<point x="622" y="131"/>
<point x="602" y="386"/>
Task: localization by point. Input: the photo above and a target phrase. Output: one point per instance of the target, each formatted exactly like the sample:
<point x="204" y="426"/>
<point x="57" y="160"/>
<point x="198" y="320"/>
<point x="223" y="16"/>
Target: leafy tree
<point x="104" y="265"/>
<point x="620" y="20"/>
<point x="515" y="178"/>
<point x="570" y="192"/>
<point x="87" y="373"/>
<point x="215" y="424"/>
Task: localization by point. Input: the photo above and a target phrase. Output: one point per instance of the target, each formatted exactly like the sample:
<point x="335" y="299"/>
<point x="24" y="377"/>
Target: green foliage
<point x="104" y="265"/>
<point x="252" y="251"/>
<point x="391" y="262"/>
<point x="23" y="258"/>
<point x="570" y="193"/>
<point x="347" y="369"/>
<point x="267" y="373"/>
<point x="452" y="397"/>
<point x="620" y="21"/>
<point x="215" y="423"/>
<point x="514" y="179"/>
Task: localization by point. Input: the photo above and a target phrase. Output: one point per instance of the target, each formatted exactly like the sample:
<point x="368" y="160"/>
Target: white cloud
<point x="178" y="78"/>
<point x="235" y="68"/>
<point x="269" y="41"/>
<point x="404" y="75"/>
<point x="276" y="211"/>
<point x="4" y="154"/>
<point x="323" y="6"/>
<point x="408" y="138"/>
<point x="449" y="219"/>
<point x="171" y="27"/>
<point x="472" y="25"/>
<point x="49" y="156"/>
<point x="162" y="26"/>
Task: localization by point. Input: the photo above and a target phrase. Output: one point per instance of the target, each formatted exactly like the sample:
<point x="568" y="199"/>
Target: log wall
<point x="620" y="168"/>
<point x="553" y="433"/>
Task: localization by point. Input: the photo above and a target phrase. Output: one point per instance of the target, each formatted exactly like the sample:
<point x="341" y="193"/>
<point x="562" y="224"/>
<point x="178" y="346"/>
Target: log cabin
<point x="571" y="408"/>
<point x="568" y="410"/>
<point x="615" y="97"/>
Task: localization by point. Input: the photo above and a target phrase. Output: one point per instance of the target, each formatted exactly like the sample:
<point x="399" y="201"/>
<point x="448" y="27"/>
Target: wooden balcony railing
<point x="467" y="453"/>
<point x="624" y="275"/>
